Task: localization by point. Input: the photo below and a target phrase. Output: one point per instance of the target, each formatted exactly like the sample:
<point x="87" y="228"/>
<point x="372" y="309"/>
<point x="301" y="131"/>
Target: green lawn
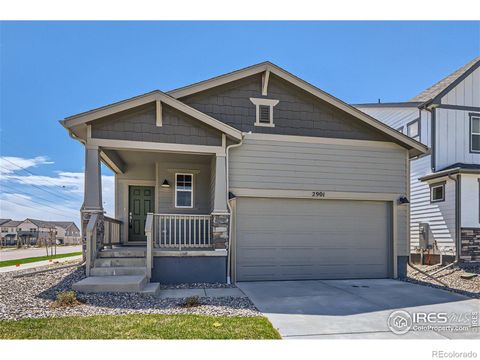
<point x="37" y="258"/>
<point x="140" y="327"/>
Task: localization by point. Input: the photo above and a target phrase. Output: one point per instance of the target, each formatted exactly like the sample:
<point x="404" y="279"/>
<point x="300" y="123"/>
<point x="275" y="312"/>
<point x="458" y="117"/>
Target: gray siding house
<point x="251" y="175"/>
<point x="445" y="192"/>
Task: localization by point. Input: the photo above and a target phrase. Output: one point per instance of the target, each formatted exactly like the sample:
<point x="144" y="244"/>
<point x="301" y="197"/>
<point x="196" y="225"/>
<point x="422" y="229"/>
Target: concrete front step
<point x="151" y="289"/>
<point x="130" y="283"/>
<point x="120" y="262"/>
<point x="123" y="252"/>
<point x="118" y="270"/>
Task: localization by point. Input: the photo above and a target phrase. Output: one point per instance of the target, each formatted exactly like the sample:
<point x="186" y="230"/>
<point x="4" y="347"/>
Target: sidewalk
<point x="201" y="292"/>
<point x="14" y="253"/>
<point x="39" y="264"/>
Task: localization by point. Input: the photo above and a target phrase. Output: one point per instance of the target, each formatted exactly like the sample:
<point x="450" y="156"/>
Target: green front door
<point x="140" y="202"/>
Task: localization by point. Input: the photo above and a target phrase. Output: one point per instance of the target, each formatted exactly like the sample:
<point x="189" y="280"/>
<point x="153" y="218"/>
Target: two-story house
<point x="8" y="232"/>
<point x="445" y="182"/>
<point x="251" y="175"/>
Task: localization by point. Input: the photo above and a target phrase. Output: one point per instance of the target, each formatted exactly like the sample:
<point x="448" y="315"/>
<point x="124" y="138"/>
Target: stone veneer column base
<point x="220" y="224"/>
<point x="470" y="244"/>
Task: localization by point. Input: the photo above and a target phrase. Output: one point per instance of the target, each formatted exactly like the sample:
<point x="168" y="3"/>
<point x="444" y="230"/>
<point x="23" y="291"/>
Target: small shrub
<point x="192" y="301"/>
<point x="66" y="299"/>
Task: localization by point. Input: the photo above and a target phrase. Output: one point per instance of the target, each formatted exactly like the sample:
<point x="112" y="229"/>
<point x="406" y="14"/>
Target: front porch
<point x="171" y="220"/>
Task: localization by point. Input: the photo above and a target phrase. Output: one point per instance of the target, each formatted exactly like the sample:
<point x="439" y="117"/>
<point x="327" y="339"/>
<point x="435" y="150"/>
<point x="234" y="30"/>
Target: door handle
<point x="130" y="219"/>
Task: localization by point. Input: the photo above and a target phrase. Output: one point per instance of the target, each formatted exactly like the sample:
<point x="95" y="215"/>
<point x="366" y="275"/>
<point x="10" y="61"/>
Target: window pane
<point x="184" y="198"/>
<point x="437" y="193"/>
<point x="413" y="129"/>
<point x="476" y="125"/>
<point x="476" y="142"/>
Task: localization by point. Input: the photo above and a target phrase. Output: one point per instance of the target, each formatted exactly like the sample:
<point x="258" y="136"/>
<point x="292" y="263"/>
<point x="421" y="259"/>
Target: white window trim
<point x="473" y="133"/>
<point x="432" y="188"/>
<point x="264" y="102"/>
<point x="191" y="192"/>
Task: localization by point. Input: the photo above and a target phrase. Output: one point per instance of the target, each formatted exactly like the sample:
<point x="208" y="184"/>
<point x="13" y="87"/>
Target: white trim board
<point x="309" y="194"/>
<point x="154" y="146"/>
<point x="321" y="140"/>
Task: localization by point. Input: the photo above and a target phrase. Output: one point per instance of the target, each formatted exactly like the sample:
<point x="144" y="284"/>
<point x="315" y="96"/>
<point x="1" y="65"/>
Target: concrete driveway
<point x="354" y="309"/>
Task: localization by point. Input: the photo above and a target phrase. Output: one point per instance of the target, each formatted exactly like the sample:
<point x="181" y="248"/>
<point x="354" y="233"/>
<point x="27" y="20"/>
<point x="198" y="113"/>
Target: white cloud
<point x="45" y="204"/>
<point x="10" y="164"/>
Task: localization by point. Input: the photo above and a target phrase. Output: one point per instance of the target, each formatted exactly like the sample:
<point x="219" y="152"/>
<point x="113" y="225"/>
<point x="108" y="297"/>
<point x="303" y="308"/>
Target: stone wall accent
<point x="220" y="224"/>
<point x="470" y="244"/>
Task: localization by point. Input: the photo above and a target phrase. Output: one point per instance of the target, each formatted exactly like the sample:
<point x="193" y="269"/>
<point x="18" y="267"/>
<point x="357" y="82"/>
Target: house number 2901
<point x="318" y="194"/>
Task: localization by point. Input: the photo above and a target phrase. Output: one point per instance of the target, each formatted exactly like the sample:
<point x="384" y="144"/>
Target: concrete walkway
<point x="354" y="309"/>
<point x="202" y="292"/>
<point x="39" y="264"/>
<point x="12" y="254"/>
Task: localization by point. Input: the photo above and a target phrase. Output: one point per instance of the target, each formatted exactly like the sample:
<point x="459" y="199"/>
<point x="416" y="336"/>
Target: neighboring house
<point x="253" y="175"/>
<point x="8" y="232"/>
<point x="445" y="190"/>
<point x="34" y="232"/>
<point x="67" y="232"/>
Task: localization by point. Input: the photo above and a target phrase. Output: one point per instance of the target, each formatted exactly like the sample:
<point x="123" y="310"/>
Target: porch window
<point x="183" y="190"/>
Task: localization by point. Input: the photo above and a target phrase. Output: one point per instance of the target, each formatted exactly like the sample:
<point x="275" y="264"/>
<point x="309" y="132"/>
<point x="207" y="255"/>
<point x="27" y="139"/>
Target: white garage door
<point x="288" y="239"/>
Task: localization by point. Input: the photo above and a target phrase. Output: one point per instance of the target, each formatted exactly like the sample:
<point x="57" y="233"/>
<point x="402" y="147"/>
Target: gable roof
<point x="64" y="224"/>
<point x="442" y="87"/>
<point x="153" y="96"/>
<point x="41" y="223"/>
<point x="12" y="223"/>
<point x="3" y="221"/>
<point x="416" y="147"/>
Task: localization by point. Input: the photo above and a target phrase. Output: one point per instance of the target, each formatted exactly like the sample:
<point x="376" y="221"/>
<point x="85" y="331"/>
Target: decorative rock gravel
<point x="451" y="277"/>
<point x="32" y="296"/>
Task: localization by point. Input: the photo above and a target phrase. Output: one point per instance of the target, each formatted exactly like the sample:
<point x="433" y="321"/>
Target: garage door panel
<point x="323" y="239"/>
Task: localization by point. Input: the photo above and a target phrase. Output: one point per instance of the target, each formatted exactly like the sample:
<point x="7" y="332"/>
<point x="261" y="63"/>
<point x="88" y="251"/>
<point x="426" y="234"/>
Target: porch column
<point x="220" y="196"/>
<point x="220" y="215"/>
<point x="92" y="198"/>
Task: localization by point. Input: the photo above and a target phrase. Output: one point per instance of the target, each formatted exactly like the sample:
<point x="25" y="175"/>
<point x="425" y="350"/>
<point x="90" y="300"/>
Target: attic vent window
<point x="264" y="114"/>
<point x="264" y="111"/>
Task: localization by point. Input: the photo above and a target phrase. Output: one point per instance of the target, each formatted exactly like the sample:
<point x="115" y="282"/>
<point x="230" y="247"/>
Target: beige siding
<point x="282" y="165"/>
<point x="261" y="164"/>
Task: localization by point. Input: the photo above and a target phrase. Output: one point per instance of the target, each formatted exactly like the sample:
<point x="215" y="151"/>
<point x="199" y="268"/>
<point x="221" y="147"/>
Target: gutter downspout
<point x="458" y="214"/>
<point x="229" y="251"/>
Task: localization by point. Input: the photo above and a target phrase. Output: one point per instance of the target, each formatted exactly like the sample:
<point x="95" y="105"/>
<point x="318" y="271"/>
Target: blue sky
<point x="50" y="70"/>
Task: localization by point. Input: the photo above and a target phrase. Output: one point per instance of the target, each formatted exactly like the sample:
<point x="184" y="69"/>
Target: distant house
<point x="9" y="232"/>
<point x="36" y="232"/>
<point x="67" y="232"/>
<point x="444" y="182"/>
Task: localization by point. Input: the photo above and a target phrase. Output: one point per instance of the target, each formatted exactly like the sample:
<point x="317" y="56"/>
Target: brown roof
<point x="443" y="84"/>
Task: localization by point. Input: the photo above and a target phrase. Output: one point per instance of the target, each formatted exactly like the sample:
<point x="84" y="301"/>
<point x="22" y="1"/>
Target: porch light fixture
<point x="165" y="184"/>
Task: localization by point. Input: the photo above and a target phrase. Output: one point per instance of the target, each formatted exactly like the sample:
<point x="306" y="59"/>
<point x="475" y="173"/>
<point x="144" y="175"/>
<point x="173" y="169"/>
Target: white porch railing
<point x="181" y="231"/>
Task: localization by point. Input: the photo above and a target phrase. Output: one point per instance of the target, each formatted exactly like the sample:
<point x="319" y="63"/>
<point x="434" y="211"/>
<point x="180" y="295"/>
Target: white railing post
<point x="149" y="231"/>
